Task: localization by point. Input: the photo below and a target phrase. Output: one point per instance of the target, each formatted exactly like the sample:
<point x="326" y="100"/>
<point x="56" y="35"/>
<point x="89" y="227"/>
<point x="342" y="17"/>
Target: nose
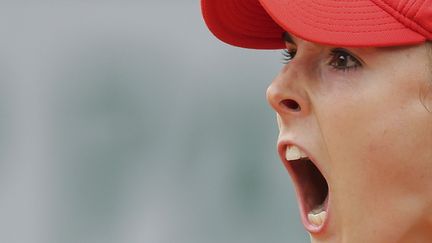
<point x="287" y="94"/>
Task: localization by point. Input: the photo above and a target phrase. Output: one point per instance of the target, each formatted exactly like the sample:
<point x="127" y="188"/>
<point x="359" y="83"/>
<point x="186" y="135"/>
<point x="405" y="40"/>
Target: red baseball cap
<point x="260" y="24"/>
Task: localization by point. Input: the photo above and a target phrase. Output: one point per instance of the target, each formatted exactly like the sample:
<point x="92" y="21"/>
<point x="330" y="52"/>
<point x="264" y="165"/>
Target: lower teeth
<point x="317" y="216"/>
<point x="317" y="219"/>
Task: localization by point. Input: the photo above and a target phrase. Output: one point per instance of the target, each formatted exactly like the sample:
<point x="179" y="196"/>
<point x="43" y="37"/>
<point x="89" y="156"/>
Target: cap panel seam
<point x="429" y="36"/>
<point x="404" y="11"/>
<point x="407" y="22"/>
<point x="398" y="7"/>
<point x="418" y="10"/>
<point x="415" y="8"/>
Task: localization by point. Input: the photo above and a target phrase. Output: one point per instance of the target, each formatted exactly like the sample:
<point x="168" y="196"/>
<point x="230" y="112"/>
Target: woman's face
<point x="361" y="115"/>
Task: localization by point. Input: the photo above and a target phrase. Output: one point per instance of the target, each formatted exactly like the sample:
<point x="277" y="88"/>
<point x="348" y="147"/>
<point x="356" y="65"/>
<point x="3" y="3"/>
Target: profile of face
<point x="356" y="137"/>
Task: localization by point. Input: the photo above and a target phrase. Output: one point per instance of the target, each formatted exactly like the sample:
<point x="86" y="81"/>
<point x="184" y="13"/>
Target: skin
<point x="370" y="130"/>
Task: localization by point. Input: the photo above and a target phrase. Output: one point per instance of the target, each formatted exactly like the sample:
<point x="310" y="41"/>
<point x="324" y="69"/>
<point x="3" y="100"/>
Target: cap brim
<point x="259" y="24"/>
<point x="242" y="23"/>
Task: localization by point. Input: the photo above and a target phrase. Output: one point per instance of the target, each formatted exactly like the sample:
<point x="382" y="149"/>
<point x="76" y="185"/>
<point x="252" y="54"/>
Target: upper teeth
<point x="293" y="153"/>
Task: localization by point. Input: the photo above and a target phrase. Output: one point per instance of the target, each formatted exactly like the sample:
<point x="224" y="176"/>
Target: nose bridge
<point x="287" y="94"/>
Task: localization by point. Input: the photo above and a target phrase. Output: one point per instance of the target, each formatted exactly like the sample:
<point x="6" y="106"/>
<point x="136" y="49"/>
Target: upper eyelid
<point x="290" y="46"/>
<point x="286" y="37"/>
<point x="331" y="50"/>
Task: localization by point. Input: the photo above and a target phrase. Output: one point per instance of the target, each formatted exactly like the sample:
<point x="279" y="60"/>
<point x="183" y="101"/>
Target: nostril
<point x="291" y="104"/>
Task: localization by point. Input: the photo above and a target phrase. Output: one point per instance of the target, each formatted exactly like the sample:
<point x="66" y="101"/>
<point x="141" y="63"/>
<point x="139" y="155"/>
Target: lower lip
<point x="314" y="229"/>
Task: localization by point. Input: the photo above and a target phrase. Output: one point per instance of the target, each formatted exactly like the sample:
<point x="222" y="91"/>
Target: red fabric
<point x="259" y="24"/>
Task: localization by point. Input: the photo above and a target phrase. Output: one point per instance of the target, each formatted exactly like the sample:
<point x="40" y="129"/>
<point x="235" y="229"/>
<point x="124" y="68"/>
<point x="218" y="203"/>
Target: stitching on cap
<point x="357" y="19"/>
<point x="345" y="12"/>
<point x="339" y="7"/>
<point x="322" y="23"/>
<point x="343" y="7"/>
<point x="332" y="30"/>
<point x="338" y="1"/>
<point x="304" y="8"/>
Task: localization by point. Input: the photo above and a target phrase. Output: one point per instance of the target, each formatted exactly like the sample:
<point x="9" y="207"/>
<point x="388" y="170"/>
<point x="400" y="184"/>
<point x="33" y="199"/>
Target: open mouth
<point x="311" y="187"/>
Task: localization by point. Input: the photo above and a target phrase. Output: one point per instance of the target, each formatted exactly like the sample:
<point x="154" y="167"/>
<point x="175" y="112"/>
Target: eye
<point x="341" y="59"/>
<point x="288" y="55"/>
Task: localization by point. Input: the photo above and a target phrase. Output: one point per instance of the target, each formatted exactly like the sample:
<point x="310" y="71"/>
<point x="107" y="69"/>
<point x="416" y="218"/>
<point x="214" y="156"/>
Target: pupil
<point x="342" y="60"/>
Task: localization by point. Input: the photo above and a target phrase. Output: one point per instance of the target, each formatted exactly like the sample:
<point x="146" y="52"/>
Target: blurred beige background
<point x="127" y="121"/>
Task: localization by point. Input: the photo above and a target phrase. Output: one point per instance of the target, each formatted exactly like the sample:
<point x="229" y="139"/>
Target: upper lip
<point x="282" y="145"/>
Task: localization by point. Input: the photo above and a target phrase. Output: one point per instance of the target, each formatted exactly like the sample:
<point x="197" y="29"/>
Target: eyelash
<point x="287" y="55"/>
<point x="335" y="56"/>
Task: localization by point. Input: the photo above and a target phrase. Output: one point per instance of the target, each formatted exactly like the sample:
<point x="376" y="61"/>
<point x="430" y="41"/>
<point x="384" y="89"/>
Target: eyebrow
<point x="287" y="38"/>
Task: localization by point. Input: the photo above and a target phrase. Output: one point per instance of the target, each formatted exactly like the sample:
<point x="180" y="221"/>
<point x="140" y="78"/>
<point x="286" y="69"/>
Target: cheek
<point x="374" y="135"/>
<point x="370" y="119"/>
<point x="378" y="138"/>
<point x="373" y="147"/>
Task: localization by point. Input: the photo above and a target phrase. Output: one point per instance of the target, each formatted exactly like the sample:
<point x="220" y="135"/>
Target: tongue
<point x="318" y="209"/>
